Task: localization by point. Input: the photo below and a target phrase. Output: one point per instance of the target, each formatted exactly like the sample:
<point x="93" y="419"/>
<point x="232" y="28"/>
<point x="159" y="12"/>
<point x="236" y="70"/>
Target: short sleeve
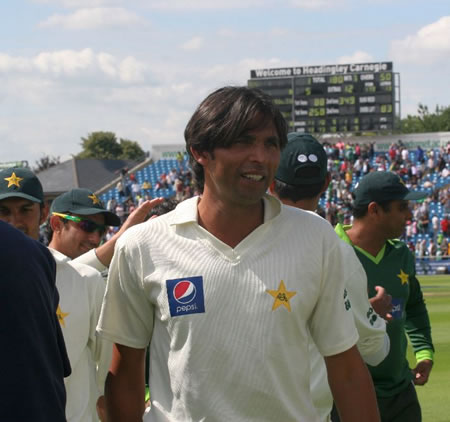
<point x="127" y="315"/>
<point x="332" y="325"/>
<point x="373" y="343"/>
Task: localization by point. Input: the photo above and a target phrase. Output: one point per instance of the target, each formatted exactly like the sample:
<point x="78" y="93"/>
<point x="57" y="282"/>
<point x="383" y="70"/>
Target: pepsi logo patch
<point x="185" y="296"/>
<point x="397" y="308"/>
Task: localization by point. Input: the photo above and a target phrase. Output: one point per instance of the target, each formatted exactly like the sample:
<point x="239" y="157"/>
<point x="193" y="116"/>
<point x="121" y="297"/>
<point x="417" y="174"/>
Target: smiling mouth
<point x="255" y="177"/>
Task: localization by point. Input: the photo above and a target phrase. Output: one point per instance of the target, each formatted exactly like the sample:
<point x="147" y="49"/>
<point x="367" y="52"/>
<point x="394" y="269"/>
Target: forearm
<point x="124" y="402"/>
<point x="124" y="387"/>
<point x="105" y="252"/>
<point x="352" y="387"/>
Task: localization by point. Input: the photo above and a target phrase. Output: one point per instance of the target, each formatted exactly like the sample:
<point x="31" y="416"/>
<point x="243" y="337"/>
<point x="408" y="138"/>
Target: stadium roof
<point x="87" y="173"/>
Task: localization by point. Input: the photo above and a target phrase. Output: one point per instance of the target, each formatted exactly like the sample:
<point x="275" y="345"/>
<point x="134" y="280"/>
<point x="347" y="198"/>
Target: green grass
<point x="435" y="395"/>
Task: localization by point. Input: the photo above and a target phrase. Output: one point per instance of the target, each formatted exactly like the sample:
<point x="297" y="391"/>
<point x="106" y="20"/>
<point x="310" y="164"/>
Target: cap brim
<point x="20" y="195"/>
<point x="302" y="181"/>
<point x="414" y="196"/>
<point x="111" y="219"/>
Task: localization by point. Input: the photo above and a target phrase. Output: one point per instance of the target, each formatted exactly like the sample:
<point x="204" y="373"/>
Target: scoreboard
<point x="354" y="98"/>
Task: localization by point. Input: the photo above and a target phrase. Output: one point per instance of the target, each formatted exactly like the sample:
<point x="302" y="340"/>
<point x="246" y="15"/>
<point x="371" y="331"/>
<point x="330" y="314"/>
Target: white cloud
<point x="315" y="4"/>
<point x="192" y="44"/>
<point x="131" y="70"/>
<point x="66" y="62"/>
<point x="152" y="113"/>
<point x="356" y="57"/>
<point x="72" y="64"/>
<point x="430" y="44"/>
<point x="199" y="4"/>
<point x="207" y="4"/>
<point x="76" y="4"/>
<point x="14" y="64"/>
<point x="206" y="79"/>
<point x="93" y="18"/>
<point x="242" y="4"/>
<point x="107" y="64"/>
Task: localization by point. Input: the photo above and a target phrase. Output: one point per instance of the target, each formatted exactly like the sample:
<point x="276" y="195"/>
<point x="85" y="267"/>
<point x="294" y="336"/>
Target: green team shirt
<point x="394" y="269"/>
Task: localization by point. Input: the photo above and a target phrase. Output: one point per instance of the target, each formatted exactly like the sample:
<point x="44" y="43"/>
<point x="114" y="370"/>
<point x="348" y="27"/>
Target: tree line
<point x="99" y="145"/>
<point x="427" y="121"/>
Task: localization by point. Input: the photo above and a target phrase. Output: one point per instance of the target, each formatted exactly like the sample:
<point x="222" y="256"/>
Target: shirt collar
<point x="341" y="230"/>
<point x="59" y="257"/>
<point x="187" y="212"/>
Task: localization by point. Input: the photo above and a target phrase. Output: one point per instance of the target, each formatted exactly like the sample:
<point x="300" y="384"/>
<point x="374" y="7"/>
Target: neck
<point x="57" y="246"/>
<point x="309" y="204"/>
<point x="227" y="222"/>
<point x="367" y="237"/>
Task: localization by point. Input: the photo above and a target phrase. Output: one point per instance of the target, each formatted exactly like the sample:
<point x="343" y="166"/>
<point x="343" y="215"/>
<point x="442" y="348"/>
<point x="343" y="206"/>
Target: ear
<point x="202" y="157"/>
<point x="56" y="224"/>
<point x="372" y="208"/>
<point x="272" y="188"/>
<point x="44" y="214"/>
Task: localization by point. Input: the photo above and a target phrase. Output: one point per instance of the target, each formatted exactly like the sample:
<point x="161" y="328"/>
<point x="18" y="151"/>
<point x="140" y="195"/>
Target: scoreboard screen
<point x="332" y="98"/>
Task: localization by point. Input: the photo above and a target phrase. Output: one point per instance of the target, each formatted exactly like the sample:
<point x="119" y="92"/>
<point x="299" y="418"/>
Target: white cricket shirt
<point x="229" y="327"/>
<point x="81" y="290"/>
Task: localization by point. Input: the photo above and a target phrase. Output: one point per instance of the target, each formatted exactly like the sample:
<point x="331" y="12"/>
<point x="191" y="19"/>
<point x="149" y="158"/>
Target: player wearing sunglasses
<point x="78" y="221"/>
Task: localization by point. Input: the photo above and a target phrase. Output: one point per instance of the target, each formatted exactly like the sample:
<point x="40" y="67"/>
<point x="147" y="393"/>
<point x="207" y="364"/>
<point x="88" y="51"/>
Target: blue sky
<point x="139" y="68"/>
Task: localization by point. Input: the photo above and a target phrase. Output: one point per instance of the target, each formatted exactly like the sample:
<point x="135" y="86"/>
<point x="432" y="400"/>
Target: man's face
<point x="73" y="241"/>
<point x="23" y="214"/>
<point x="241" y="173"/>
<point x="394" y="221"/>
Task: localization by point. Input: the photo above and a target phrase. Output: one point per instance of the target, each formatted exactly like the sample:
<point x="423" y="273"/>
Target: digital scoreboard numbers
<point x="334" y="98"/>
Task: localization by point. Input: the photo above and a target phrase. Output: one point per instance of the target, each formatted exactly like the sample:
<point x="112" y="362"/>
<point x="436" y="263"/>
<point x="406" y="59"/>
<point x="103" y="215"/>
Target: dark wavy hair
<point x="223" y="117"/>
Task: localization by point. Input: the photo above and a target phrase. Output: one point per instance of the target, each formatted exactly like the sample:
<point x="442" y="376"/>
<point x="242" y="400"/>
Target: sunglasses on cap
<point x="86" y="225"/>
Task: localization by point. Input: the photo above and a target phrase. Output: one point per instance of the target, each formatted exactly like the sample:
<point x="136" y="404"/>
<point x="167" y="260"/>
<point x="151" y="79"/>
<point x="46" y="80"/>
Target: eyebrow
<point x="273" y="138"/>
<point x="252" y="138"/>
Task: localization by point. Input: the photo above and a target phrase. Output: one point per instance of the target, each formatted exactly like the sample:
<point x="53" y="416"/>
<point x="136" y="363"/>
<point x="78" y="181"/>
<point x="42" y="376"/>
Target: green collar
<point x="341" y="230"/>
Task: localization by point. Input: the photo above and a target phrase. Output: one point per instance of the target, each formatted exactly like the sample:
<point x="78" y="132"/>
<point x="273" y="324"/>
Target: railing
<point x="433" y="264"/>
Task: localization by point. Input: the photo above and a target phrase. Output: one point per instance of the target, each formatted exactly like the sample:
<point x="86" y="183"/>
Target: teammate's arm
<point x="105" y="252"/>
<point x="124" y="387"/>
<point x="352" y="387"/>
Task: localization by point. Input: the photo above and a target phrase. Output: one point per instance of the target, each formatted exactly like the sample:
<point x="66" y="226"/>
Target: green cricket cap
<point x="303" y="161"/>
<point x="20" y="182"/>
<point x="83" y="202"/>
<point x="380" y="186"/>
